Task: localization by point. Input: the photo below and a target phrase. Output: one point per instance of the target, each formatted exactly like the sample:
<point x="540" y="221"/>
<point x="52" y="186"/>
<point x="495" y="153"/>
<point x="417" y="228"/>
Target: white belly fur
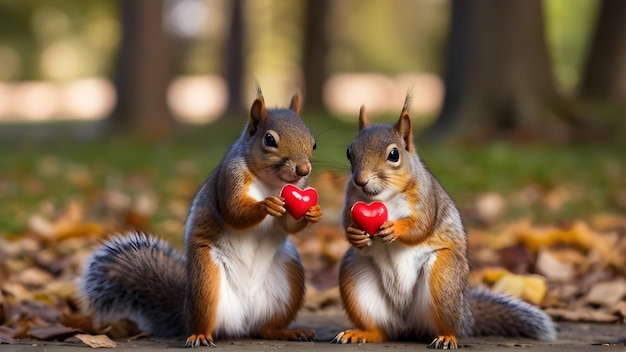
<point x="252" y="286"/>
<point x="392" y="286"/>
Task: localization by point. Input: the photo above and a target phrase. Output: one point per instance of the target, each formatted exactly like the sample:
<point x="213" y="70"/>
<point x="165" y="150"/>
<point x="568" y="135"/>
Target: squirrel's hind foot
<point x="359" y="336"/>
<point x="199" y="340"/>
<point x="445" y="342"/>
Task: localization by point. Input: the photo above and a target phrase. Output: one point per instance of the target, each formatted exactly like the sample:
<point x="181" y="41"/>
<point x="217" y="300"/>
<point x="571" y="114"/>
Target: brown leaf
<point x="553" y="269"/>
<point x="607" y="294"/>
<point x="53" y="332"/>
<point x="582" y="315"/>
<point x="7" y="334"/>
<point x="96" y="341"/>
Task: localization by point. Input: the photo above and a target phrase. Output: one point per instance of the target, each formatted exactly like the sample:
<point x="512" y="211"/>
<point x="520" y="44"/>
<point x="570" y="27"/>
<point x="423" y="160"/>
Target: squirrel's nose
<point x="303" y="170"/>
<point x="360" y="180"/>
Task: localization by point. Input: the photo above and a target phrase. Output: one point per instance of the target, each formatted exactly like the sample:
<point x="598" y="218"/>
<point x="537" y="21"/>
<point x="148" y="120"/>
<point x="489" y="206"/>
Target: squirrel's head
<point x="280" y="144"/>
<point x="382" y="156"/>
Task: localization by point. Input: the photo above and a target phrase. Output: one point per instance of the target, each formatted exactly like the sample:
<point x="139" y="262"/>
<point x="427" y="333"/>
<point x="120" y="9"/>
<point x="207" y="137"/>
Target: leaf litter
<point x="574" y="271"/>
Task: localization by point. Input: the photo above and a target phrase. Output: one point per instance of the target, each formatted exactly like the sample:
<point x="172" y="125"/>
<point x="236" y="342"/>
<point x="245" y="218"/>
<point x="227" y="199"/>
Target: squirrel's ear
<point x="363" y="121"/>
<point x="295" y="104"/>
<point x="403" y="128"/>
<point x="257" y="114"/>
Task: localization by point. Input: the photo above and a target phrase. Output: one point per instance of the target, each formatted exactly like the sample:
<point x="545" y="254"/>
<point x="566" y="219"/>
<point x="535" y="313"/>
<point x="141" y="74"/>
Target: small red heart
<point x="369" y="217"/>
<point x="298" y="201"/>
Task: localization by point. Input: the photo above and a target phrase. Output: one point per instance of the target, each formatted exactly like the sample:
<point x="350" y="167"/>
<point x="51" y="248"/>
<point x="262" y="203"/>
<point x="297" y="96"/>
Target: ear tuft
<point x="404" y="129"/>
<point x="363" y="121"/>
<point x="258" y="114"/>
<point x="259" y="91"/>
<point x="295" y="104"/>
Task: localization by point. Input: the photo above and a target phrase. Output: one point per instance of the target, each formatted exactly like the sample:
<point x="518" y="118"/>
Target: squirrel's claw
<point x="357" y="237"/>
<point x="274" y="206"/>
<point x="445" y="342"/>
<point x="199" y="340"/>
<point x="386" y="233"/>
<point x="359" y="336"/>
<point x="314" y="214"/>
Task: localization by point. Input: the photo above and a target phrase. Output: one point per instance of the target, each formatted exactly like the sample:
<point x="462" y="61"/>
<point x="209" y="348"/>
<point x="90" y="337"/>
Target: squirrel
<point x="410" y="278"/>
<point x="240" y="274"/>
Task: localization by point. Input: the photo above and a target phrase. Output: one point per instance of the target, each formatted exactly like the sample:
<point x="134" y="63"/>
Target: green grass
<point x="43" y="177"/>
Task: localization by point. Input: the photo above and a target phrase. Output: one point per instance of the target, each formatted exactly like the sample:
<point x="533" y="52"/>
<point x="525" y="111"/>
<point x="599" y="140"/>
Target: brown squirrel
<point x="410" y="278"/>
<point x="240" y="274"/>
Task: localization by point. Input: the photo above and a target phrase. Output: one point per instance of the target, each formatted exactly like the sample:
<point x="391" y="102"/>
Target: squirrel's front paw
<point x="357" y="237"/>
<point x="199" y="340"/>
<point x="314" y="214"/>
<point x="386" y="233"/>
<point x="274" y="206"/>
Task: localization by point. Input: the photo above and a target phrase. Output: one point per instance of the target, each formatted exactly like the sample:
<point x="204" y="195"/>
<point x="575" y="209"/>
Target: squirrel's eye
<point x="269" y="140"/>
<point x="394" y="155"/>
<point x="348" y="153"/>
<point x="314" y="146"/>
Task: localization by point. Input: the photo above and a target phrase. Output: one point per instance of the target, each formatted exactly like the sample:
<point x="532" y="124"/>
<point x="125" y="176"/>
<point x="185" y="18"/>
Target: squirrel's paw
<point x="387" y="232"/>
<point x="358" y="336"/>
<point x="286" y="334"/>
<point x="199" y="340"/>
<point x="314" y="214"/>
<point x="274" y="206"/>
<point x="445" y="342"/>
<point x="357" y="237"/>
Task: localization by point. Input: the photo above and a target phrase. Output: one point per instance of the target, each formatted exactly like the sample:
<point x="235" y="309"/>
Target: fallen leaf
<point x="96" y="341"/>
<point x="582" y="315"/>
<point x="553" y="269"/>
<point x="53" y="332"/>
<point x="607" y="294"/>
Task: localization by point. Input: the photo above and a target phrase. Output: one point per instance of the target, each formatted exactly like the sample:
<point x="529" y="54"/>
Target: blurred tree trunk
<point x="314" y="53"/>
<point x="233" y="60"/>
<point x="604" y="76"/>
<point x="143" y="71"/>
<point x="499" y="80"/>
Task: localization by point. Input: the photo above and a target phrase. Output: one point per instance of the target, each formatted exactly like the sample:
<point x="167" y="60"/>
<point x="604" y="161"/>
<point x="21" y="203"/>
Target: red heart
<point x="298" y="201"/>
<point x="369" y="217"/>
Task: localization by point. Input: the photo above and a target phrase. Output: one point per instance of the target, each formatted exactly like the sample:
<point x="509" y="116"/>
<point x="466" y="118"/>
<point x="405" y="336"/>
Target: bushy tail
<point x="496" y="314"/>
<point x="137" y="277"/>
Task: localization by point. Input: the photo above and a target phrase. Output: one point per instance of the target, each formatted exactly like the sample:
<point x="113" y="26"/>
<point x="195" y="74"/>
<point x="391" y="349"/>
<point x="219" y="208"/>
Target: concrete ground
<point x="572" y="337"/>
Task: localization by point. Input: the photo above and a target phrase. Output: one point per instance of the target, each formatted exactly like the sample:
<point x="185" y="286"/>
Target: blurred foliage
<point x="569" y="28"/>
<point x="58" y="39"/>
<point x="67" y="39"/>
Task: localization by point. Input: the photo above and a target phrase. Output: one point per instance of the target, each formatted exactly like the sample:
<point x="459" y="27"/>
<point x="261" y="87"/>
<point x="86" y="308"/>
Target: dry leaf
<point x="54" y="332"/>
<point x="607" y="294"/>
<point x="96" y="341"/>
<point x="553" y="269"/>
<point x="582" y="315"/>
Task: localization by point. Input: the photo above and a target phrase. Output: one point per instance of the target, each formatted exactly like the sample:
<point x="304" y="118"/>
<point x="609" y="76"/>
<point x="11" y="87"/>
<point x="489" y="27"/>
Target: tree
<point x="143" y="71"/>
<point x="315" y="48"/>
<point x="499" y="80"/>
<point x="604" y="75"/>
<point x="233" y="59"/>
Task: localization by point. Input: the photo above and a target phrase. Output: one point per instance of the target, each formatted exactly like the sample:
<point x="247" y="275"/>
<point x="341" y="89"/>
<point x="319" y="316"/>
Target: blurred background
<point x="518" y="66"/>
<point x="135" y="102"/>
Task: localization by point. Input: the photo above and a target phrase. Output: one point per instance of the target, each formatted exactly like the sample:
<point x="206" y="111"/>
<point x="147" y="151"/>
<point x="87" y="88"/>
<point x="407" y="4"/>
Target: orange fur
<point x="202" y="292"/>
<point x="447" y="282"/>
<point x="237" y="209"/>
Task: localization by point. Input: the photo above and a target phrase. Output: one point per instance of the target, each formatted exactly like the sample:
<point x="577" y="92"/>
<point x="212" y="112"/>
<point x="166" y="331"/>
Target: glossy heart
<point x="298" y="201"/>
<point x="369" y="217"/>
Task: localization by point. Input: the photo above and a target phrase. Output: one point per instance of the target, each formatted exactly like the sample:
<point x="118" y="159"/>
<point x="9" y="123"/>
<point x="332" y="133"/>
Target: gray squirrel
<point x="240" y="274"/>
<point x="409" y="279"/>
